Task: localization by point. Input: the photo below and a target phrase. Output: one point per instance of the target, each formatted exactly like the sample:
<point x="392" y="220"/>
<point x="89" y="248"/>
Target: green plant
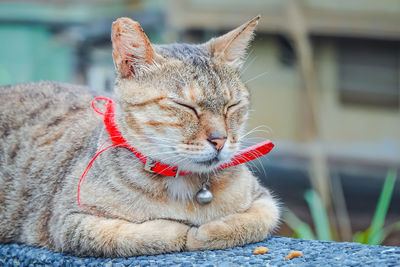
<point x="319" y="215"/>
<point x="374" y="235"/>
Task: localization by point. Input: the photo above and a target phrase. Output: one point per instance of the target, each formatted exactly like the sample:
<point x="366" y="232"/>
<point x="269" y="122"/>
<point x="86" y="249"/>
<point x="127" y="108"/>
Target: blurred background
<point x="325" y="83"/>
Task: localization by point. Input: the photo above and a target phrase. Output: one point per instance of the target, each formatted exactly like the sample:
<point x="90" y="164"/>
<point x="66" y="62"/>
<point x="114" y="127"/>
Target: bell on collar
<point x="204" y="196"/>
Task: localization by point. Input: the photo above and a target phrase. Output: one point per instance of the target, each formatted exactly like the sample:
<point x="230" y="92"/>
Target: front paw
<point x="213" y="235"/>
<point x="192" y="242"/>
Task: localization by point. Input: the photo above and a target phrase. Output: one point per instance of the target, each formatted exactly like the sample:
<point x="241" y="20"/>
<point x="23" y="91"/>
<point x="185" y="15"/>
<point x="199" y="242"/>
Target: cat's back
<point x="44" y="129"/>
<point x="40" y="119"/>
<point x="31" y="104"/>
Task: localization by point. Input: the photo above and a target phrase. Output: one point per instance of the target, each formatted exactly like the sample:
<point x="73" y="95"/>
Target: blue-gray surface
<point x="315" y="253"/>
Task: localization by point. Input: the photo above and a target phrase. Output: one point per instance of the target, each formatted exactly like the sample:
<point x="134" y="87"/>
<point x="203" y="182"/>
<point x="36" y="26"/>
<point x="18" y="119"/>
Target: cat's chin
<point x="201" y="168"/>
<point x="205" y="166"/>
<point x="200" y="164"/>
<point x="208" y="163"/>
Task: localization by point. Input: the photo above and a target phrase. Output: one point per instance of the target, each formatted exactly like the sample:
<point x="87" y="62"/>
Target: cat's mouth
<point x="208" y="162"/>
<point x="197" y="162"/>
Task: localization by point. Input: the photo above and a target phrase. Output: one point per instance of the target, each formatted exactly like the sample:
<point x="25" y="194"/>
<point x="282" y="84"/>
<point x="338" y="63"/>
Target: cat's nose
<point x="218" y="141"/>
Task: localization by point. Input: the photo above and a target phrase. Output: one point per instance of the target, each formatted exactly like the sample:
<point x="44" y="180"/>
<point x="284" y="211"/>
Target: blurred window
<point x="287" y="56"/>
<point x="369" y="72"/>
<point x="193" y="36"/>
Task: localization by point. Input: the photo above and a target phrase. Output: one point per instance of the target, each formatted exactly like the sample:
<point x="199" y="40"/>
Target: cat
<point x="180" y="104"/>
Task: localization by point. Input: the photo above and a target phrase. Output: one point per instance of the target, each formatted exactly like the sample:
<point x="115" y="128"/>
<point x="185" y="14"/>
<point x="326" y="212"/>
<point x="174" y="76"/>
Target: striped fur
<point x="169" y="101"/>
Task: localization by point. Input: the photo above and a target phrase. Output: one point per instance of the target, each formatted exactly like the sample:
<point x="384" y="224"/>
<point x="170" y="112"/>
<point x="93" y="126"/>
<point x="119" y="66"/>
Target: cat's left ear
<point x="231" y="47"/>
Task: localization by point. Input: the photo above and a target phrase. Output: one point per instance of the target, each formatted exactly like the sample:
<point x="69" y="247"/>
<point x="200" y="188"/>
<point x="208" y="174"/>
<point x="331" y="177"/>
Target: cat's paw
<point x="213" y="235"/>
<point x="192" y="242"/>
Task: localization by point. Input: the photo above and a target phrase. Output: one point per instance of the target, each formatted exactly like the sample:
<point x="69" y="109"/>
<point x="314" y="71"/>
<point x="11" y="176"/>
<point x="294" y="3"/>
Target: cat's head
<point x="182" y="104"/>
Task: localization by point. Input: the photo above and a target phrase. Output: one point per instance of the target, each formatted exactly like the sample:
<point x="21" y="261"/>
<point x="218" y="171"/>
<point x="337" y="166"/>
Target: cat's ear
<point x="231" y="47"/>
<point x="132" y="50"/>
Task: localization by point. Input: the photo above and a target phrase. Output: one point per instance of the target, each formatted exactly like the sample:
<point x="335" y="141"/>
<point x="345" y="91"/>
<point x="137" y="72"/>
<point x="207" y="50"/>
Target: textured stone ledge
<point x="315" y="253"/>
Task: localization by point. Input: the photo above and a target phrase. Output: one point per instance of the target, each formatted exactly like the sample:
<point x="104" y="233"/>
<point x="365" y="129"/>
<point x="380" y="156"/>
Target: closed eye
<point x="193" y="109"/>
<point x="231" y="106"/>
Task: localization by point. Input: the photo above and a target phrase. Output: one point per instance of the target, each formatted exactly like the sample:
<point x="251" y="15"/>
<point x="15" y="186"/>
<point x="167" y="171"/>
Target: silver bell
<point x="204" y="196"/>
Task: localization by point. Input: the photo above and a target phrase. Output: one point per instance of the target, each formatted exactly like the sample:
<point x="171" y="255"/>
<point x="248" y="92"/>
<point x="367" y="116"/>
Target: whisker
<point x="248" y="65"/>
<point x="256" y="77"/>
<point x="256" y="129"/>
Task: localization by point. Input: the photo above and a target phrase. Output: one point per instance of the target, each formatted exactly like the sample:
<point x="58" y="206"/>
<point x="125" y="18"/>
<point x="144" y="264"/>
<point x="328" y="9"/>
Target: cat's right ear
<point x="132" y="50"/>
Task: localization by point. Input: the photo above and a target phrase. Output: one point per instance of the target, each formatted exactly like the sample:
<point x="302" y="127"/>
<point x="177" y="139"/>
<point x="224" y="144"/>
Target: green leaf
<point x="376" y="234"/>
<point x="300" y="228"/>
<point x="359" y="237"/>
<point x="362" y="237"/>
<point x="319" y="215"/>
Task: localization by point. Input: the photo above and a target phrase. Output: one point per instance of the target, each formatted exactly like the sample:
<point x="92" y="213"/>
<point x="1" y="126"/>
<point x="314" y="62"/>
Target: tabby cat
<point x="182" y="105"/>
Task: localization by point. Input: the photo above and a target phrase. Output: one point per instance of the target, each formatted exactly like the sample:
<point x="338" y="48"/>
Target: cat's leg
<point x="253" y="225"/>
<point x="89" y="235"/>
